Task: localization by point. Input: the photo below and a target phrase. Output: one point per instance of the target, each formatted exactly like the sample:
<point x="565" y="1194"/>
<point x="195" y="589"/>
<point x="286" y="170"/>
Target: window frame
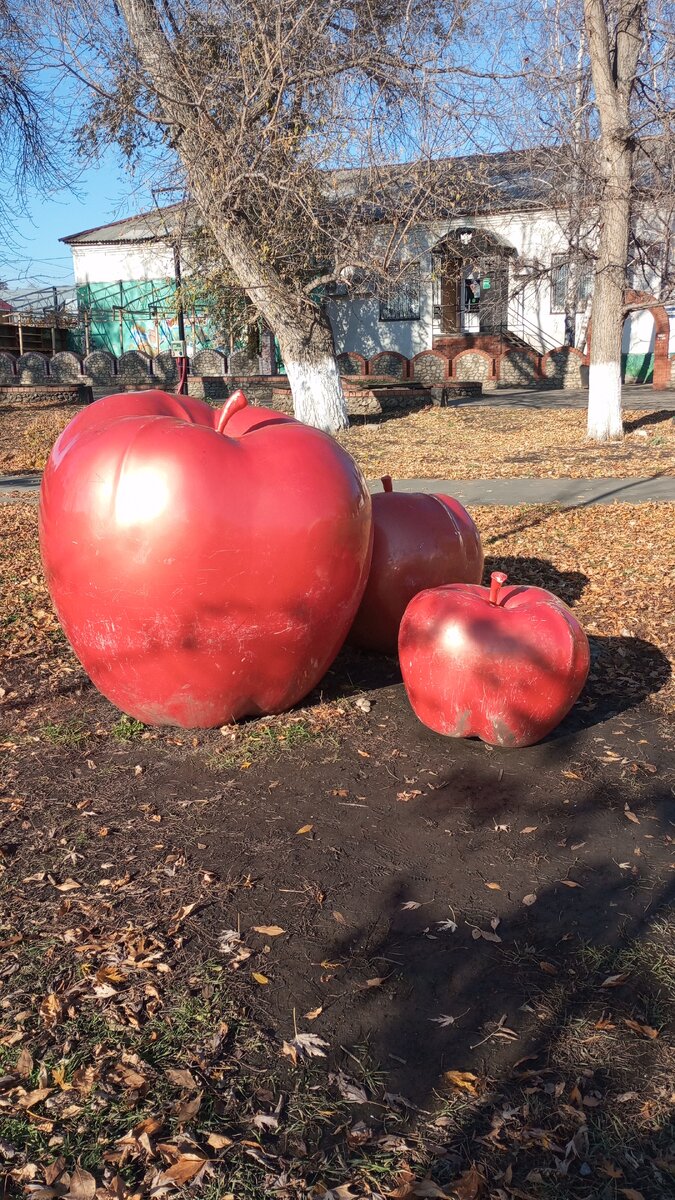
<point x="388" y="289"/>
<point x="585" y="277"/>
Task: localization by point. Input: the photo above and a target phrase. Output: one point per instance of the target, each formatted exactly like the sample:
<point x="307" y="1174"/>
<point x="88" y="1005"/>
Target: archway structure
<point x="643" y="300"/>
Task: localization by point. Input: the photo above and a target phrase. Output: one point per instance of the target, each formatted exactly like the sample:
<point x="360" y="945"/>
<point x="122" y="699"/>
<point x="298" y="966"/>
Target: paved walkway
<point x="567" y="492"/>
<point x="633" y="396"/>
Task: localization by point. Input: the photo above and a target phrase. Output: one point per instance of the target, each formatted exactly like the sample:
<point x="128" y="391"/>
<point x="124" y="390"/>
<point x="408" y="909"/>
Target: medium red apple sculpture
<point x="205" y="565"/>
<point x="504" y="664"/>
<point x="420" y="541"/>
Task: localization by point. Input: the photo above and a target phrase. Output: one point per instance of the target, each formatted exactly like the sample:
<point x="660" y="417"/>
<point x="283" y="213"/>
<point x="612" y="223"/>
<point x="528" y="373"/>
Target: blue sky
<point x="103" y="192"/>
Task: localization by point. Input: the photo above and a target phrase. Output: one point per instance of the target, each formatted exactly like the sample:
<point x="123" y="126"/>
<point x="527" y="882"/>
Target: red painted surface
<point x="420" y="541"/>
<point x="205" y="565"/>
<point x="504" y="664"/>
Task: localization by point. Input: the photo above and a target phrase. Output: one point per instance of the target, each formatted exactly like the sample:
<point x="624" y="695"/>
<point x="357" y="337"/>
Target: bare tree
<point x="284" y="123"/>
<point x="28" y="141"/>
<point x="593" y="82"/>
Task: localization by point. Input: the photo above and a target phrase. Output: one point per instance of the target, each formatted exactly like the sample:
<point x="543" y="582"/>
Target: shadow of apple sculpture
<point x="205" y="565"/>
<point x="504" y="664"/>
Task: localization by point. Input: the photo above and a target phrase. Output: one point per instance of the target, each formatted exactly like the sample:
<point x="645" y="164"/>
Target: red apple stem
<point x="387" y="483"/>
<point x="233" y="404"/>
<point x="497" y="580"/>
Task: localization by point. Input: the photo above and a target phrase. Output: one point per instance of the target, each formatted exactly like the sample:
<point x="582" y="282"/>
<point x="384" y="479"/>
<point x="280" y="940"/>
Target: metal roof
<point x="502" y="181"/>
<point x="143" y="227"/>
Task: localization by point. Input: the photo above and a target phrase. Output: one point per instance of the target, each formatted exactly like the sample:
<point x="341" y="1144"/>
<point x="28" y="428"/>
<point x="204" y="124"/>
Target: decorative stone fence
<point x="389" y="362"/>
<point x="564" y="367"/>
<point x="18" y="395"/>
<point x="101" y="369"/>
<point x="352" y="364"/>
<point x="518" y="368"/>
<point x="430" y="367"/>
<point x="475" y="366"/>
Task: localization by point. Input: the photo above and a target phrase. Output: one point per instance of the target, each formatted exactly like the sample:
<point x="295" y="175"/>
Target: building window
<point x="560" y="271"/>
<point x="400" y="301"/>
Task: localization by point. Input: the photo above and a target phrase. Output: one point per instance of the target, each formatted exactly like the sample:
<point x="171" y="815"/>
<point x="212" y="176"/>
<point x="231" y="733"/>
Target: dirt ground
<point x="331" y="954"/>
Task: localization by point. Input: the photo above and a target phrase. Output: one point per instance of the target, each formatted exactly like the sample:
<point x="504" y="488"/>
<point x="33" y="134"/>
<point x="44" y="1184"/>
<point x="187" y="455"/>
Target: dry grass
<point x="502" y="443"/>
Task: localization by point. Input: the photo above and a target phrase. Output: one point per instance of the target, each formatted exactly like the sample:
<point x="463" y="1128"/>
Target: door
<point x="494" y="293"/>
<point x="446" y="292"/>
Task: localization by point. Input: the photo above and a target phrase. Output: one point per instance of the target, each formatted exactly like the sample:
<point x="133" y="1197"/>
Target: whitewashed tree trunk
<point x="312" y="372"/>
<point x="317" y="393"/>
<point x="604" y="401"/>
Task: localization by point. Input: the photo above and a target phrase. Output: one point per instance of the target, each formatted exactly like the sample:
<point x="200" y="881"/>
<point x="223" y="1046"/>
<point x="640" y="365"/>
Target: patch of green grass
<point x="251" y="743"/>
<point x="64" y="733"/>
<point x="21" y="1135"/>
<point x="127" y="729"/>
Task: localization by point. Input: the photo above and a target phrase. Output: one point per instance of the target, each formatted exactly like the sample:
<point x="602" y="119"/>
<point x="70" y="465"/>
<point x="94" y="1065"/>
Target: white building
<point x="482" y="295"/>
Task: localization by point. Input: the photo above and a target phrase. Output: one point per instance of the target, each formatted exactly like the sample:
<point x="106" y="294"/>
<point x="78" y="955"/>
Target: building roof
<point x="143" y="227"/>
<point x="507" y="181"/>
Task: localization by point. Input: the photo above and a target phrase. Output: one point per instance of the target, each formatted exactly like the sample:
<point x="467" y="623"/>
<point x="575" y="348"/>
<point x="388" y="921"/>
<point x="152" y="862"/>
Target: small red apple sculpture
<point x="205" y="565"/>
<point x="420" y="541"/>
<point x="504" y="664"/>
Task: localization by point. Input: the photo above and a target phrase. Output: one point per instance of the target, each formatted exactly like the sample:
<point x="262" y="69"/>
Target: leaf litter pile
<point x="28" y="431"/>
<point x="331" y="955"/>
<point x="436" y="443"/>
<point x="504" y="443"/>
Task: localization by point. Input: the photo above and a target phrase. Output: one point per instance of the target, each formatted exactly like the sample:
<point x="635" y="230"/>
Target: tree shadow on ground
<point x="558" y="1017"/>
<point x="538" y="572"/>
<point x="653" y="418"/>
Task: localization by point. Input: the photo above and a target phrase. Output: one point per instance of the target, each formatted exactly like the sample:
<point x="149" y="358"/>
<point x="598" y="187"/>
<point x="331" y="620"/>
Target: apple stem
<point x="387" y="484"/>
<point x="233" y="404"/>
<point x="497" y="579"/>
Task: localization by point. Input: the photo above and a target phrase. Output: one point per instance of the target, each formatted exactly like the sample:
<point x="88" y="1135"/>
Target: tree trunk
<point x="604" y="381"/>
<point x="312" y="372"/>
<point x="614" y="60"/>
<point x="299" y="325"/>
<point x="304" y="331"/>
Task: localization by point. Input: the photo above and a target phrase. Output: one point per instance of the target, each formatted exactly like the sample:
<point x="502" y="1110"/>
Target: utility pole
<point x="182" y="360"/>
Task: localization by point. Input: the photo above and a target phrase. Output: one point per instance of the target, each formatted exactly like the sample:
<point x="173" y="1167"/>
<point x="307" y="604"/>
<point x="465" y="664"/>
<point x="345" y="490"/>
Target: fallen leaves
<point x="51" y="1010"/>
<point x="269" y="930"/>
<point x="462" y="1081"/>
<point x="615" y="980"/>
<point x="488" y="935"/>
<point x="305" y="1045"/>
<point x="443" y="444"/>
<point x="648" y="1031"/>
<point x="184" y="1169"/>
<point x="82" y="1185"/>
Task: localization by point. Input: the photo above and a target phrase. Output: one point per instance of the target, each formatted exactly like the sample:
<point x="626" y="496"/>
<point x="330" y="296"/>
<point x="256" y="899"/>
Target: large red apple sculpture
<point x="205" y="565"/>
<point x="420" y="541"/>
<point x="504" y="664"/>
